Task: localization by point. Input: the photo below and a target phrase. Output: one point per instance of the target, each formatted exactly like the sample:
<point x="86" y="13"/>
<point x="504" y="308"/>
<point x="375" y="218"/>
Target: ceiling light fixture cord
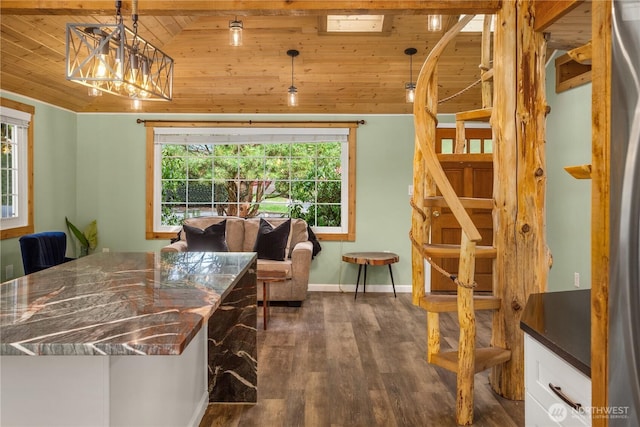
<point x="118" y="12"/>
<point x="292" y="56"/>
<point x="134" y="17"/>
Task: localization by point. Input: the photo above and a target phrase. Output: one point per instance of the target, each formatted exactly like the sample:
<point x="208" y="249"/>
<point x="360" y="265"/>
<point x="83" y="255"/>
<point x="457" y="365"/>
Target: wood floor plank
<point x="339" y="362"/>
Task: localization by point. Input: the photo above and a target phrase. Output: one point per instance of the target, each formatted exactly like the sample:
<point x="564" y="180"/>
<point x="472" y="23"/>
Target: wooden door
<point x="471" y="175"/>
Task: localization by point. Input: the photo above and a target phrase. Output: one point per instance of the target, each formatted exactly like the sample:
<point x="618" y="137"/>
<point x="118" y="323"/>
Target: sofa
<point x="240" y="235"/>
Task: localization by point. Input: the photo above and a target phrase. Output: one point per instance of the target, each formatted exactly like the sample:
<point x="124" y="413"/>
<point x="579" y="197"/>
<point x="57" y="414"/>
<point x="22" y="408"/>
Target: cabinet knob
<point x="436" y="214"/>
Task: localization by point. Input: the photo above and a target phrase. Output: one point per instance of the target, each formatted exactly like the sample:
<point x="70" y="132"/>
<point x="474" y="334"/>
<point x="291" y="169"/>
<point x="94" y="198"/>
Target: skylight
<point x="475" y="25"/>
<point x="355" y="23"/>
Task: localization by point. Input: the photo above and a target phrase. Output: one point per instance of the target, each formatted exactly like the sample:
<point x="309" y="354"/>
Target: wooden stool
<point x="371" y="258"/>
<point x="267" y="277"/>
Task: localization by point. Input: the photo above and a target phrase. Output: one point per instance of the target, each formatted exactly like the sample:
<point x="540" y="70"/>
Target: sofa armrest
<point x="179" y="246"/>
<point x="301" y="263"/>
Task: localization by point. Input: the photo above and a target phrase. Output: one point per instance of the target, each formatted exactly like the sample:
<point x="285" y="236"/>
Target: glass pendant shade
<point x="292" y="97"/>
<point x="235" y="33"/>
<point x="410" y="92"/>
<point x="434" y="22"/>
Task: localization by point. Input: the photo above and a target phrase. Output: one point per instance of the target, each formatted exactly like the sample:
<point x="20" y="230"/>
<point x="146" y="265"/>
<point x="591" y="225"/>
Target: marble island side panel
<point x="232" y="344"/>
<point x="116" y="303"/>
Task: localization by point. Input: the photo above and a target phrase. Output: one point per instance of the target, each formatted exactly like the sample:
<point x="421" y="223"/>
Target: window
<point x="16" y="168"/>
<point x="297" y="171"/>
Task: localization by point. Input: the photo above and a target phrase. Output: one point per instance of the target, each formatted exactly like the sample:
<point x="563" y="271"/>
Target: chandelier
<point x="113" y="58"/>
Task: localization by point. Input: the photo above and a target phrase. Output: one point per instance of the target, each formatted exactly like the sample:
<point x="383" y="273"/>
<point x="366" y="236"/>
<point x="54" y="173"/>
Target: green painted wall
<point x="111" y="188"/>
<point x="568" y="204"/>
<point x="54" y="175"/>
<point x="91" y="166"/>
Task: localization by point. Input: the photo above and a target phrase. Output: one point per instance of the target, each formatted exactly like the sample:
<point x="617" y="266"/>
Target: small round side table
<point x="371" y="258"/>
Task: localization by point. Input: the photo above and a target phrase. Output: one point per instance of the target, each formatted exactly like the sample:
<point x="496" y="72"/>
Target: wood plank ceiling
<point x="334" y="73"/>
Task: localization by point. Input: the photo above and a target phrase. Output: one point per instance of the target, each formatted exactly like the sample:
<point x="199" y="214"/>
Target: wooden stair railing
<point x="429" y="175"/>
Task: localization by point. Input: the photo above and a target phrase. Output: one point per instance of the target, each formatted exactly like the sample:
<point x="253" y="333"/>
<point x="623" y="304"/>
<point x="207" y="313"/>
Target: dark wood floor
<point x="340" y="362"/>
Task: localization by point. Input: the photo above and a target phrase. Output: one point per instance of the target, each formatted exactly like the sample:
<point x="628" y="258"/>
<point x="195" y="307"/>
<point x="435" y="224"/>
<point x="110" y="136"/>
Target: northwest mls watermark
<point x="559" y="412"/>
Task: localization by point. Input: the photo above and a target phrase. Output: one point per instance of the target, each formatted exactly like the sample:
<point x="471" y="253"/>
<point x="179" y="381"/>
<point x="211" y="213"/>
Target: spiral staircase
<point x="433" y="189"/>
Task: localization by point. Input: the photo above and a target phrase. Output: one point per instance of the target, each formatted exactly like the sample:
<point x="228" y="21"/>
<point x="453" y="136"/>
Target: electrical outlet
<point x="576" y="279"/>
<point x="105" y="249"/>
<point x="8" y="271"/>
<point x="411" y="190"/>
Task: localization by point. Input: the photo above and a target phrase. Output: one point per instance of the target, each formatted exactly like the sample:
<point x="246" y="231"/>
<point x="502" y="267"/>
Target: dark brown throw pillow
<point x="211" y="239"/>
<point x="271" y="243"/>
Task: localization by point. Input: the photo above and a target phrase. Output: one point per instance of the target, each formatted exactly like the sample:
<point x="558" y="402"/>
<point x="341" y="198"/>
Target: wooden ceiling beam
<point x="249" y="7"/>
<point x="550" y="11"/>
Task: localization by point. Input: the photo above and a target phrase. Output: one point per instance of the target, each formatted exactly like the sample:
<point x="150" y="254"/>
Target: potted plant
<point x="87" y="239"/>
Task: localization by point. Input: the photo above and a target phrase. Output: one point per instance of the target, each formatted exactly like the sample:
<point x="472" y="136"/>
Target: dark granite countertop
<point x="116" y="303"/>
<point x="562" y="322"/>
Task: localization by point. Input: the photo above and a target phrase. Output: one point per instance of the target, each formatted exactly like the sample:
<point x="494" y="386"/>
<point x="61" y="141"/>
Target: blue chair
<point x="43" y="250"/>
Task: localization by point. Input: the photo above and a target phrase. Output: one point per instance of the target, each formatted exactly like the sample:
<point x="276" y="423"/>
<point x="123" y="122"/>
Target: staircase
<point x="428" y="178"/>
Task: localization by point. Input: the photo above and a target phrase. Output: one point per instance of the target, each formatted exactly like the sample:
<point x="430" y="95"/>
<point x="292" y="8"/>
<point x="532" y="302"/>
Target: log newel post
<point x="467" y="340"/>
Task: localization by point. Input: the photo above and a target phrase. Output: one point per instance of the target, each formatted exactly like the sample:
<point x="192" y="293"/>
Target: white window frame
<point x="159" y="134"/>
<point x="21" y="116"/>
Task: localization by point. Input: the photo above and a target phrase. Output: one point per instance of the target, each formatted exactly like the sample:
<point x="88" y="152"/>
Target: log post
<point x="433" y="334"/>
<point x="523" y="259"/>
<point x="467" y="340"/>
<point x="461" y="137"/>
<point x="601" y="21"/>
<point x="485" y="62"/>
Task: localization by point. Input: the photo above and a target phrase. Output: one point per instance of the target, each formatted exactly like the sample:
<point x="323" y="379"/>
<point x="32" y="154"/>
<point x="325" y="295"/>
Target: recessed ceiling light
<point x="355" y="23"/>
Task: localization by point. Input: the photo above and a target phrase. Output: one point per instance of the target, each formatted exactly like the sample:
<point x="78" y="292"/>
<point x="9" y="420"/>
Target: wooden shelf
<point x="579" y="172"/>
<point x="570" y="73"/>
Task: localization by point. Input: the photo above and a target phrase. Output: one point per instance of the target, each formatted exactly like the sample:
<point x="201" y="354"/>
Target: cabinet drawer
<point x="542" y="368"/>
<point x="535" y="415"/>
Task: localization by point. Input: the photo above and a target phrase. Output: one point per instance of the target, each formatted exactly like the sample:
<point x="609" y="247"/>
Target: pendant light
<point x="114" y="58"/>
<point x="434" y="23"/>
<point x="235" y="32"/>
<point x="410" y="88"/>
<point x="292" y="95"/>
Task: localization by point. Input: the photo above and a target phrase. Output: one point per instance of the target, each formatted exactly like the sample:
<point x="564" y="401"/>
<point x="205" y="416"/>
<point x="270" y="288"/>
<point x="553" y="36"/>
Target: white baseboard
<point x="352" y="288"/>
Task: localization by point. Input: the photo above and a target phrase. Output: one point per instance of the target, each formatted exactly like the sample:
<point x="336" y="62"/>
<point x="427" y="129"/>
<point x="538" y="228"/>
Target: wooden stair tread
<point x="482" y="114"/>
<point x="485" y="358"/>
<point x="487" y="75"/>
<point x="467" y="202"/>
<point x="453" y="251"/>
<point x="447" y="303"/>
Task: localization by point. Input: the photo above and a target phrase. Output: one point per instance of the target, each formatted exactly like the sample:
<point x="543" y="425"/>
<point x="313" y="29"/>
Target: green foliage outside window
<point x="246" y="180"/>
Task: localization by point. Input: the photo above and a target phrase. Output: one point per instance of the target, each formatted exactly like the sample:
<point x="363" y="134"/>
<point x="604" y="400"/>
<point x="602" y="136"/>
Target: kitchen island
<point x="115" y="339"/>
